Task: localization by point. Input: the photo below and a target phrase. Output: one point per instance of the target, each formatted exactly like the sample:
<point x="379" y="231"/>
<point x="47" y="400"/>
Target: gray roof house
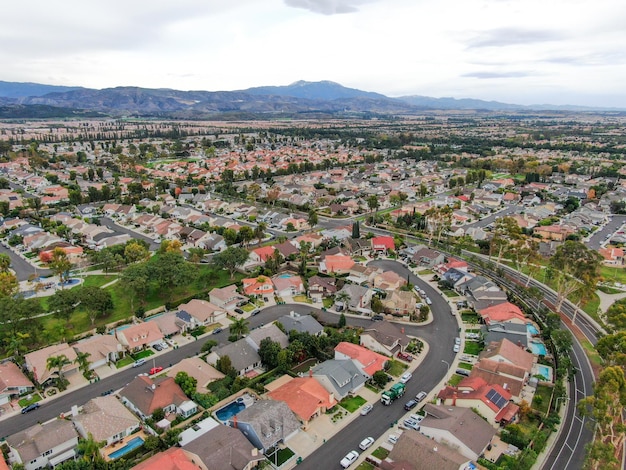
<point x="418" y="449"/>
<point x="458" y="427"/>
<point x="106" y="419"/>
<point x="428" y="257"/>
<point x="243" y="356"/>
<point x="359" y="297"/>
<point x="498" y="331"/>
<point x="266" y="423"/>
<point x="341" y="377"/>
<point x="43" y="444"/>
<point x="225" y="448"/>
<point x="476" y="285"/>
<point x="301" y="324"/>
<point x="385" y="338"/>
<point x="270" y="331"/>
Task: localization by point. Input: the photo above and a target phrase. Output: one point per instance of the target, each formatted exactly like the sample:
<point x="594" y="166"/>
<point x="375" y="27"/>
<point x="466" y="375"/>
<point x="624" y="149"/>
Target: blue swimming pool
<point x="532" y="329"/>
<point x="130" y="445"/>
<point x="285" y="276"/>
<point x="120" y="328"/>
<point x="71" y="282"/>
<point x="537" y="348"/>
<point x="546" y="371"/>
<point x="230" y="410"/>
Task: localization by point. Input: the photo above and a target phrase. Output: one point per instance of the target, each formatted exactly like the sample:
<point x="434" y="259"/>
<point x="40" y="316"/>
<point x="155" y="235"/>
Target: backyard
<point x="352" y="403"/>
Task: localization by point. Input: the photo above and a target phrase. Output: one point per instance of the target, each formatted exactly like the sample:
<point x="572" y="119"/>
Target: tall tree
<point x="58" y="363"/>
<point x="60" y="264"/>
<point x="231" y="259"/>
<point x="313" y="218"/>
<point x="170" y="270"/>
<point x="95" y="301"/>
<point x="356" y="230"/>
<point x="63" y="304"/>
<point x="239" y="327"/>
<point x="135" y="278"/>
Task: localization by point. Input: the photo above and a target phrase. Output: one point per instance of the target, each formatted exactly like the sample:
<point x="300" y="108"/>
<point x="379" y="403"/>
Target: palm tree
<point x="343" y="297"/>
<point x="89" y="449"/>
<point x="82" y="359"/>
<point x="58" y="363"/>
<point x="239" y="327"/>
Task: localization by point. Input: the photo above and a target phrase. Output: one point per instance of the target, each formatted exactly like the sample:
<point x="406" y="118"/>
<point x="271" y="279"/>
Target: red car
<point x="156" y="370"/>
<point x="405" y="356"/>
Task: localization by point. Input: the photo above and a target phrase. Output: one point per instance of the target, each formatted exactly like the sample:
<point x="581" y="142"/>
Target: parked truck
<point x="395" y="392"/>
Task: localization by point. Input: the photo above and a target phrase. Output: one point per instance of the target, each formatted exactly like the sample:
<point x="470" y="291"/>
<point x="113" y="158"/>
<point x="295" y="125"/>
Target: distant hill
<point x="22" y="90"/>
<point x="311" y="99"/>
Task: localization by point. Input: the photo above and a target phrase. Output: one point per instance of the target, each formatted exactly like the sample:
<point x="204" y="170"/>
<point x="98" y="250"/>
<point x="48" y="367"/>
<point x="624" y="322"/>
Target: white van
<point x="139" y="362"/>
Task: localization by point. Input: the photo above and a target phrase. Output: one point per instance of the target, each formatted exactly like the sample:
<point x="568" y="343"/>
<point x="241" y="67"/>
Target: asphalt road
<point x="600" y="236"/>
<point x="23" y="269"/>
<point x="110" y="223"/>
<point x="439" y="335"/>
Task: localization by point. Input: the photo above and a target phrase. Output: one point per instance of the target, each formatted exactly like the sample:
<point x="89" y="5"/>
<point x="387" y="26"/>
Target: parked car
<point x="464" y="372"/>
<point x="420" y="396"/>
<point x="254" y="312"/>
<point x="417" y="418"/>
<point x="378" y="318"/>
<point x="349" y="459"/>
<point x="411" y="423"/>
<point x="107" y="392"/>
<point x="392" y="438"/>
<point x="239" y="311"/>
<point x="366" y="409"/>
<point x="31" y="407"/>
<point x="405" y="356"/>
<point x="428" y="301"/>
<point x="158" y="347"/>
<point x="365" y="443"/>
<point x="406" y="377"/>
<point x="457" y="340"/>
<point x="456" y="348"/>
<point x="217" y="330"/>
<point x="156" y="370"/>
<point x="139" y="362"/>
<point x="409" y="405"/>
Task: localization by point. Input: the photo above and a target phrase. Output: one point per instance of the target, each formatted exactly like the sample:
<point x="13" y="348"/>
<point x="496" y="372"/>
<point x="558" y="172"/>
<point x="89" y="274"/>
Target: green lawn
<point x="302" y="298"/>
<point x="471" y="318"/>
<point x="125" y="361"/>
<point x="365" y="466"/>
<point x="396" y="368"/>
<point x="380" y="453"/>
<point x="455" y="379"/>
<point x="98" y="280"/>
<point x="450" y="293"/>
<point x="465" y="365"/>
<point x="352" y="403"/>
<point x="143" y="354"/>
<point x="425" y="272"/>
<point x="34" y="398"/>
<point x="613" y="274"/>
<point x="279" y="457"/>
<point x="541" y="400"/>
<point x="609" y="290"/>
<point x="472" y="348"/>
<point x="327" y="302"/>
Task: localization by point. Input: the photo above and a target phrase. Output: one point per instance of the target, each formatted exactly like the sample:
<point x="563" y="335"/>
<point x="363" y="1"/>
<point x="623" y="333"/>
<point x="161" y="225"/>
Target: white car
<point x="406" y="377"/>
<point x="366" y="409"/>
<point x="392" y="438"/>
<point x="456" y="348"/>
<point x="349" y="459"/>
<point x="365" y="443"/>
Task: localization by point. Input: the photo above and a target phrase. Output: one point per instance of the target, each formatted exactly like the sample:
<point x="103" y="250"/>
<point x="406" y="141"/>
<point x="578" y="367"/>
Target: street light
<point x="446" y="363"/>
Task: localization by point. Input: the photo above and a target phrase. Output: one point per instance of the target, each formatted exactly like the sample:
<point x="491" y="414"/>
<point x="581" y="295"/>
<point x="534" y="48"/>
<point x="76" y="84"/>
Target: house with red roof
<point x="370" y="361"/>
<point x="507" y="351"/>
<point x="261" y="285"/>
<point x="173" y="458"/>
<point x="262" y="254"/>
<point x="612" y="256"/>
<point x="505" y="312"/>
<point x="305" y="396"/>
<point x="509" y="376"/>
<point x="553" y="232"/>
<point x="139" y="336"/>
<point x="339" y="264"/>
<point x="383" y="244"/>
<point x="490" y="400"/>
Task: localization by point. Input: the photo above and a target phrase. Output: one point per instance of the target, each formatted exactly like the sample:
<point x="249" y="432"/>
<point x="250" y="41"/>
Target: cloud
<point x="327" y="7"/>
<point x="513" y="37"/>
<point x="490" y="75"/>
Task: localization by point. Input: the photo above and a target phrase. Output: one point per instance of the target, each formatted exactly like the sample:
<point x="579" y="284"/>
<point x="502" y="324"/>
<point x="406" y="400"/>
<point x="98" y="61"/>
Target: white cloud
<point x="508" y="50"/>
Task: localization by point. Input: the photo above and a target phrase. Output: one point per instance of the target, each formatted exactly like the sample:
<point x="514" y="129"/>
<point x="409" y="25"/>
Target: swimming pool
<point x="120" y="328"/>
<point x="532" y="329"/>
<point x="70" y="282"/>
<point x="538" y="348"/>
<point x="130" y="445"/>
<point x="285" y="276"/>
<point x="230" y="410"/>
<point x="546" y="371"/>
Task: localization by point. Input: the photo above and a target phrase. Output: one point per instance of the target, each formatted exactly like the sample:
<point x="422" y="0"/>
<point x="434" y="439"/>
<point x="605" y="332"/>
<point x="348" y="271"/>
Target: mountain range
<point x="302" y="98"/>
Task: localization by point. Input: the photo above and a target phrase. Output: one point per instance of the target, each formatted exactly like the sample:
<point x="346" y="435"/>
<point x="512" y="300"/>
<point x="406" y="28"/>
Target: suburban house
<point x="201" y="313"/>
<point x="388" y="281"/>
<point x="139" y="336"/>
<point x="212" y="242"/>
<point x="399" y="302"/>
<point x="144" y="395"/>
<point x="223" y="448"/>
<point x="305" y="396"/>
<point x="340" y="377"/>
<point x="505" y="312"/>
<point x="13" y="382"/>
<point x="370" y="361"/>
<point x="477" y="285"/>
<point x="106" y="419"/>
<point x="37" y="362"/>
<point x="509" y="376"/>
<point x="173" y="458"/>
<point x="358" y="298"/>
<point x="427" y="257"/>
<point x="261" y="286"/>
<point x="301" y="323"/>
<point x="169" y="323"/>
<point x="612" y="256"/>
<point x="385" y="338"/>
<point x="287" y="285"/>
<point x="102" y="350"/>
<point x="553" y="232"/>
<point x="266" y="423"/>
<point x="287" y="250"/>
<point x="261" y="255"/>
<point x="359" y="274"/>
<point x="490" y="400"/>
<point x="198" y="369"/>
<point x="383" y="244"/>
<point x="497" y="331"/>
<point x="414" y="451"/>
<point x="270" y="331"/>
<point x="506" y="351"/>
<point x="227" y="297"/>
<point x="42" y="445"/>
<point x="321" y="287"/>
<point x="243" y="357"/>
<point x="338" y="264"/>
<point x="458" y="427"/>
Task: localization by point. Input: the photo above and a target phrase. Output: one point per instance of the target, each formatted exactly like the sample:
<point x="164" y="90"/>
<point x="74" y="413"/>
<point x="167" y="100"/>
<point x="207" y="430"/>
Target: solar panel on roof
<point x="496" y="398"/>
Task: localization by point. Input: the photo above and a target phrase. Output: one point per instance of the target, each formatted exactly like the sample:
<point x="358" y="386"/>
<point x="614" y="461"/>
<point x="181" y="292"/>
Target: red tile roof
<point x="503" y="312"/>
<point x="173" y="458"/>
<point x="370" y="360"/>
<point x="305" y="396"/>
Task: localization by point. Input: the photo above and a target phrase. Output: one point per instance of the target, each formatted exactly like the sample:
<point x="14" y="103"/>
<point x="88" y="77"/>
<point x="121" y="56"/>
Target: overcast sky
<point x="515" y="51"/>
